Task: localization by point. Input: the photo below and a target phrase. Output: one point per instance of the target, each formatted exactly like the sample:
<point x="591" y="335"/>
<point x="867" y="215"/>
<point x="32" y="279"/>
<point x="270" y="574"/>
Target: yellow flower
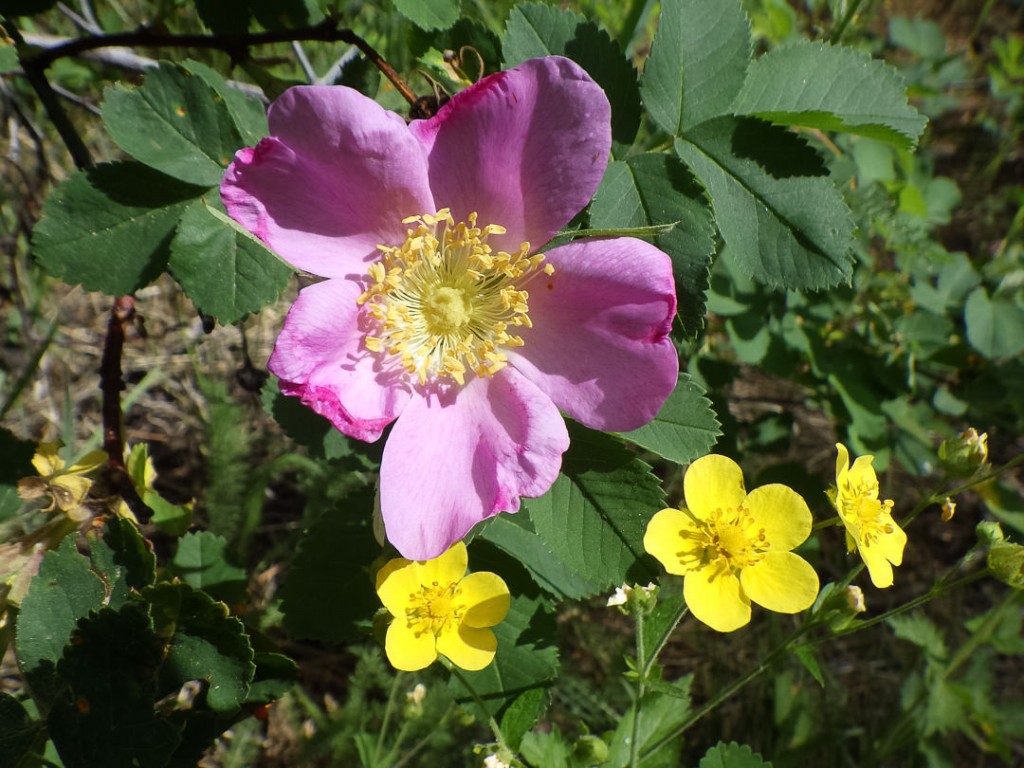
<point x="438" y="609"/>
<point x="732" y="547"/>
<point x="869" y="524"/>
<point x="67" y="488"/>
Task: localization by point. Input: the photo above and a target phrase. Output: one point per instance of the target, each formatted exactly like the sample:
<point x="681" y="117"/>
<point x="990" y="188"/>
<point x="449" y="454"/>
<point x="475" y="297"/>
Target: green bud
<point x="589" y="750"/>
<point x="965" y="455"/>
<point x="1006" y="561"/>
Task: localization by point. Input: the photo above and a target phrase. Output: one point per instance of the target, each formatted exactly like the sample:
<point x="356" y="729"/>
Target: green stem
<point x="642" y="666"/>
<point x="844" y="22"/>
<point x="834" y="520"/>
<point x="495" y="728"/>
<point x="388" y="711"/>
<point x="728" y="691"/>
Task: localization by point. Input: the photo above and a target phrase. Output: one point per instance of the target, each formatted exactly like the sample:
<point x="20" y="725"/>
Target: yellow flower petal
<point x="879" y="567"/>
<point x="408" y="651"/>
<point x="87" y="463"/>
<point x="862" y="473"/>
<point x="69" y="490"/>
<point x="783" y="514"/>
<point x="448" y="568"/>
<point x="713" y="482"/>
<point x="398" y="579"/>
<point x="487" y="598"/>
<point x="47" y="460"/>
<point x="892" y="544"/>
<point x="662" y="539"/>
<point x="470" y="648"/>
<point x="783" y="582"/>
<point x="842" y="461"/>
<point x="719" y="603"/>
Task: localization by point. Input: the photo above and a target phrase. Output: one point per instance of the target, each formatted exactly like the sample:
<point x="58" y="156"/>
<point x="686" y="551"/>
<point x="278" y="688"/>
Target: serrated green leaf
<point x="329" y="588"/>
<point x="275" y="674"/>
<point x="247" y="112"/>
<point x="61" y="593"/>
<point x="548" y="571"/>
<point x="17" y="730"/>
<point x="655" y="189"/>
<point x="685" y="427"/>
<point x="732" y="755"/>
<point x="108" y="229"/>
<point x="521" y="715"/>
<point x="122" y="559"/>
<point x="201" y="562"/>
<point x="429" y="14"/>
<point x="224" y="270"/>
<point x="175" y="123"/>
<point x="659" y="716"/>
<point x="995" y="326"/>
<point x="594" y="516"/>
<point x="918" y="629"/>
<point x="526" y="659"/>
<point x="111" y="672"/>
<point x="833" y="88"/>
<point x="697" y="62"/>
<point x="536" y="30"/>
<point x="1006" y="562"/>
<point x="785" y="226"/>
<point x="204" y="643"/>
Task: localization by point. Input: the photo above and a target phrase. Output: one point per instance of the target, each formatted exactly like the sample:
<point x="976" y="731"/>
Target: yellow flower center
<point x="727" y="541"/>
<point x="444" y="302"/>
<point x="435" y="609"/>
<point x="859" y="504"/>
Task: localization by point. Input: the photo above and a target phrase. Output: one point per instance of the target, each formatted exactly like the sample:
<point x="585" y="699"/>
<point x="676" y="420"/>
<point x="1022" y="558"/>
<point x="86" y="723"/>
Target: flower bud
<point x="965" y="455"/>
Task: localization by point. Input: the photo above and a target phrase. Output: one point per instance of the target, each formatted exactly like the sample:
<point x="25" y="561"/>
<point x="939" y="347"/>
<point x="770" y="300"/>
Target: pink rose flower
<point x="437" y="310"/>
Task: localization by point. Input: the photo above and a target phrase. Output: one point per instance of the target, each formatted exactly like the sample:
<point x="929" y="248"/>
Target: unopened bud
<point x="948" y="509"/>
<point x="964" y="455"/>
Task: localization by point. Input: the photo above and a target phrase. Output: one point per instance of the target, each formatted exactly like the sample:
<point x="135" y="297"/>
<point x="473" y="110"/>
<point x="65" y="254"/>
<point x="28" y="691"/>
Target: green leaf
<point x="8" y="58"/>
<point x="685" y="427"/>
<point x="594" y="516"/>
<point x="833" y="88"/>
<point x="122" y="559"/>
<point x="108" y="229"/>
<point x="329" y="588"/>
<point x="275" y="675"/>
<point x="304" y="425"/>
<point x="225" y="17"/>
<point x="659" y="716"/>
<point x="697" y="63"/>
<point x="521" y="715"/>
<point x="205" y="643"/>
<point x="201" y="562"/>
<point x="63" y="591"/>
<point x="17" y="730"/>
<point x="655" y="189"/>
<point x="732" y="755"/>
<point x="918" y="629"/>
<point x="785" y="226"/>
<point x="806" y="655"/>
<point x="549" y="572"/>
<point x="995" y="327"/>
<point x="526" y="659"/>
<point x="15" y="463"/>
<point x="247" y="112"/>
<point x="175" y="123"/>
<point x="429" y="14"/>
<point x="1006" y="562"/>
<point x="285" y="14"/>
<point x="547" y="749"/>
<point x="111" y="671"/>
<point x="226" y="271"/>
<point x="541" y="30"/>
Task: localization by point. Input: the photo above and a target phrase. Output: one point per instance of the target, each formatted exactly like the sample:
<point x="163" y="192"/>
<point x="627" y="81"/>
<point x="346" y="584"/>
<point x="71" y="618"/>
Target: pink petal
<point x="599" y="345"/>
<point x="525" y="148"/>
<point x="336" y="177"/>
<point x="455" y="459"/>
<point x="319" y="356"/>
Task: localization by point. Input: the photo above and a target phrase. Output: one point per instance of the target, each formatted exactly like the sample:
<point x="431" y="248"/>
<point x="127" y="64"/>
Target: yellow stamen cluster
<point x="445" y="303"/>
<point x="434" y="608"/>
<point x="859" y="503"/>
<point x="727" y="541"/>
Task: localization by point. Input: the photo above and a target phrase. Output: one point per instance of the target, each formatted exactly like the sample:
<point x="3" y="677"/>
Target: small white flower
<point x="621" y="595"/>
